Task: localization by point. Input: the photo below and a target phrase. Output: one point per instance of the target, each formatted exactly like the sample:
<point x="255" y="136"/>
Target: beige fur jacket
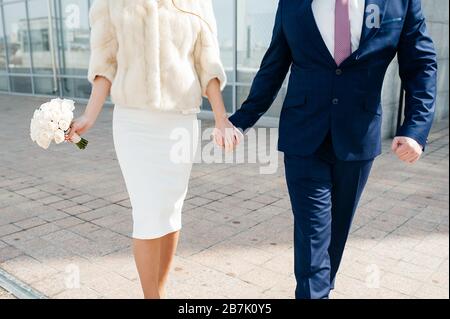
<point x="155" y="55"/>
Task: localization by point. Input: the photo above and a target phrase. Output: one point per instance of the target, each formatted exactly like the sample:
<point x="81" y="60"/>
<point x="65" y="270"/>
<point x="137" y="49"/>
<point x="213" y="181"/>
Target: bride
<point x="157" y="59"/>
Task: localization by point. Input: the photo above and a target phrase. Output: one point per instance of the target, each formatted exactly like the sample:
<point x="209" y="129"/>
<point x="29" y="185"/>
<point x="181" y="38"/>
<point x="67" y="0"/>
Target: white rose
<point x="67" y="115"/>
<point x="56" y="101"/>
<point x="52" y="126"/>
<point x="49" y="134"/>
<point x="68" y="105"/>
<point x="56" y="114"/>
<point x="45" y="116"/>
<point x="59" y="136"/>
<point x="37" y="113"/>
<point x="45" y="106"/>
<point x="34" y="129"/>
<point x="37" y="125"/>
<point x="44" y="139"/>
<point x="55" y="106"/>
<point x="64" y="125"/>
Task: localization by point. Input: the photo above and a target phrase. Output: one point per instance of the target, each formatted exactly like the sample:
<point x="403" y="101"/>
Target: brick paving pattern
<point x="65" y="214"/>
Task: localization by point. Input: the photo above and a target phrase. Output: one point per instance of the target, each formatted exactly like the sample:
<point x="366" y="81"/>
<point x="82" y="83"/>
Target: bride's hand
<point x="226" y="135"/>
<point x="79" y="126"/>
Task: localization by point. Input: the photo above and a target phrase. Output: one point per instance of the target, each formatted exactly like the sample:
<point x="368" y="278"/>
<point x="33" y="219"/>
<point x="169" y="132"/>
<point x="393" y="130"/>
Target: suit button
<point x="338" y="71"/>
<point x="335" y="101"/>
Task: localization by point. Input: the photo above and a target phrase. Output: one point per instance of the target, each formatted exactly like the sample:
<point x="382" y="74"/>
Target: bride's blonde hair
<point x="192" y="13"/>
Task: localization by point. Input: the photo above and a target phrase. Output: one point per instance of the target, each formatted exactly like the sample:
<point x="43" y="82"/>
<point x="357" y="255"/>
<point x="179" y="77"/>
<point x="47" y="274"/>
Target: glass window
<point x="2" y="45"/>
<point x="274" y="111"/>
<point x="16" y="34"/>
<point x="255" y="20"/>
<point x="44" y="85"/>
<point x="225" y="21"/>
<point x="75" y="88"/>
<point x="40" y="37"/>
<point x="3" y="83"/>
<point x="74" y="35"/>
<point x="21" y="84"/>
<point x="224" y="16"/>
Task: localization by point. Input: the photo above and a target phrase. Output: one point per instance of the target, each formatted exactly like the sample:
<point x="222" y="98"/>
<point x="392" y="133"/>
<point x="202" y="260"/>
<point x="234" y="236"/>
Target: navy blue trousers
<point x="324" y="193"/>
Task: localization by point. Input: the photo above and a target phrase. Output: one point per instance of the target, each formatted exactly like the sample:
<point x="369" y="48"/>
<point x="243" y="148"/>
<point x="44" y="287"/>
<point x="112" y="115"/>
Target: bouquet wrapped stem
<point x="79" y="141"/>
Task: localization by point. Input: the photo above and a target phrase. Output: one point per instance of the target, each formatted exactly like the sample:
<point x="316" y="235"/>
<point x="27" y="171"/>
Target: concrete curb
<point x="18" y="288"/>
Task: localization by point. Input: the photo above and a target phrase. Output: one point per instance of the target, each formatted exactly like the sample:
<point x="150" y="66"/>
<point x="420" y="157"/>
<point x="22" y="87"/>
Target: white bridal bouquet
<point x="51" y="121"/>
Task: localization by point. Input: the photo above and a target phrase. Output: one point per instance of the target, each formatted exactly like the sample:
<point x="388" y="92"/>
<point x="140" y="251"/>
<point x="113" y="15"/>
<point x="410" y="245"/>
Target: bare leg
<point x="168" y="248"/>
<point x="153" y="261"/>
<point x="147" y="258"/>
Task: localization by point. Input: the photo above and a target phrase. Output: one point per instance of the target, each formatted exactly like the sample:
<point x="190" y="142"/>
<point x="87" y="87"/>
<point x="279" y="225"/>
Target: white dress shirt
<point x="324" y="15"/>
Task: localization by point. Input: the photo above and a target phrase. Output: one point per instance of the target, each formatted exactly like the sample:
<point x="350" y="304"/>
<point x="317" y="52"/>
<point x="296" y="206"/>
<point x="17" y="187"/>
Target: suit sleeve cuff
<point x="239" y="121"/>
<point x="422" y="140"/>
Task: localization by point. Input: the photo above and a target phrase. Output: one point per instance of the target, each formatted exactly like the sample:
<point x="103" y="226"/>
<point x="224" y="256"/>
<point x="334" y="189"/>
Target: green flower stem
<point x="82" y="144"/>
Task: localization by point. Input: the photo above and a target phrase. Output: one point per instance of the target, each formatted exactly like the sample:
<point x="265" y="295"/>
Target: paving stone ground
<point x="65" y="223"/>
<point x="5" y="295"/>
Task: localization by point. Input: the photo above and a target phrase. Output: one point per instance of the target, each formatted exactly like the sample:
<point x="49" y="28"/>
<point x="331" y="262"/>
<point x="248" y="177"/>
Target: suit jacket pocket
<point x="294" y="101"/>
<point x="393" y="23"/>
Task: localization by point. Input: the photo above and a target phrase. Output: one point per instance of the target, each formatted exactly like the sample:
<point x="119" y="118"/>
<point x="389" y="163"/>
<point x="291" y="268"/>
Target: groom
<point x="330" y="126"/>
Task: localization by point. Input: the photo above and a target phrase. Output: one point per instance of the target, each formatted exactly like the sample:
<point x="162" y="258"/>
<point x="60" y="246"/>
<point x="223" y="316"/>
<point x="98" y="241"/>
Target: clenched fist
<point x="407" y="149"/>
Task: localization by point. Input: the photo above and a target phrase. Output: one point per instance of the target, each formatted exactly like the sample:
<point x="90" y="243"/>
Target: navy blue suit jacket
<point x="345" y="99"/>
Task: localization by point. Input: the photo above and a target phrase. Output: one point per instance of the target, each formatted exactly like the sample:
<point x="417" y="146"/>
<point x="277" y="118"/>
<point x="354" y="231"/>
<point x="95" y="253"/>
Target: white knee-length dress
<point x="158" y="55"/>
<point x="155" y="150"/>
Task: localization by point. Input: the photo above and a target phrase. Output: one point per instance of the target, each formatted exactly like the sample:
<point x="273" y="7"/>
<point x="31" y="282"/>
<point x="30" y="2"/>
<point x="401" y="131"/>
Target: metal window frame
<point x="30" y="45"/>
<point x="5" y="43"/>
<point x="235" y="55"/>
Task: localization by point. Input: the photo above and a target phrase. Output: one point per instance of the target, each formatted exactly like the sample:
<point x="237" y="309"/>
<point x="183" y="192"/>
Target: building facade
<point x="44" y="50"/>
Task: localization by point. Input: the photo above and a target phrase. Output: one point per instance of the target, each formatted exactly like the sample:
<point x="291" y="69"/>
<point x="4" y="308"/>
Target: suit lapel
<point x="368" y="29"/>
<point x="313" y="32"/>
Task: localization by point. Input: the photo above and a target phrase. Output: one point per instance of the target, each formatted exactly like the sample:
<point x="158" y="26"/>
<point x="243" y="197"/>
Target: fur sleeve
<point x="103" y="41"/>
<point x="208" y="63"/>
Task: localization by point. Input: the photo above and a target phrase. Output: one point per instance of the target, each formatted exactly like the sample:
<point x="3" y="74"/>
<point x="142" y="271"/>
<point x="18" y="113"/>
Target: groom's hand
<point x="226" y="135"/>
<point x="407" y="149"/>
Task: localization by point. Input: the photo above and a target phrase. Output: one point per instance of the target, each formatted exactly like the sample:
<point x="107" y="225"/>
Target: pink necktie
<point x="342" y="35"/>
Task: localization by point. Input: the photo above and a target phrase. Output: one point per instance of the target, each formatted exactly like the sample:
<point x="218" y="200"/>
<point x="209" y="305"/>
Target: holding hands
<point x="226" y="135"/>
